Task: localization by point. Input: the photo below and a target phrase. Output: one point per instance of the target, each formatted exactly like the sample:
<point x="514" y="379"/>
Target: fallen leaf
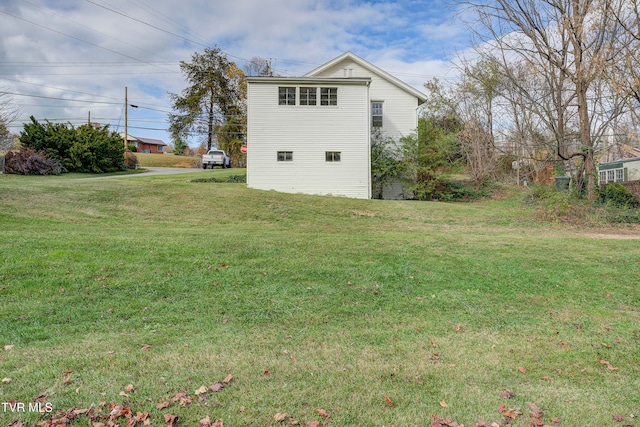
<point x="313" y="423"/>
<point x="521" y="369"/>
<point x="227" y="379"/>
<point x="146" y="347"/>
<point x="555" y="420"/>
<point x="216" y="387"/>
<point x="458" y="327"/>
<point x="322" y="413"/>
<point x="444" y="404"/>
<point x="201" y="390"/>
<point x="507" y="394"/>
<point x="205" y="422"/>
<point x="502" y="408"/>
<point x="266" y="372"/>
<point x="218" y="423"/>
<point x="130" y="388"/>
<point x="162" y="405"/>
<point x="280" y="417"/>
<point x="535" y="411"/>
<point x="223" y="266"/>
<point x="8" y="347"/>
<point x="609" y="365"/>
<point x="389" y="401"/>
<point x="122" y="393"/>
<point x="294" y="422"/>
<point x="6" y="380"/>
<point x="171" y="420"/>
<point x="66" y="378"/>
<point x="618" y="417"/>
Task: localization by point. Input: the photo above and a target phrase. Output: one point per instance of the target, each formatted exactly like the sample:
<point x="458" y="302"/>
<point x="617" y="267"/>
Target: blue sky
<point x="61" y="59"/>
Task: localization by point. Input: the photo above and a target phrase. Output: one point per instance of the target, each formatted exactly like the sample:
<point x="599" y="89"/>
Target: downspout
<point x="369" y="140"/>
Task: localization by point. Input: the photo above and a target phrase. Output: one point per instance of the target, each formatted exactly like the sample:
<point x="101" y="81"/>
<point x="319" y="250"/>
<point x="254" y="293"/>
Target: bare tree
<point x="258" y="67"/>
<point x="8" y="113"/>
<point x="570" y="42"/>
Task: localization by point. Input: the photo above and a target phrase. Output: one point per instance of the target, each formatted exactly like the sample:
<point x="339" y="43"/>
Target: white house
<point x="312" y="134"/>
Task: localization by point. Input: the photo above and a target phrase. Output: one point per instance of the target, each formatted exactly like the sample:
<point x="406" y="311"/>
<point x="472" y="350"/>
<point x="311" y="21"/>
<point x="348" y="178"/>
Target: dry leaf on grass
<point x="171" y="420"/>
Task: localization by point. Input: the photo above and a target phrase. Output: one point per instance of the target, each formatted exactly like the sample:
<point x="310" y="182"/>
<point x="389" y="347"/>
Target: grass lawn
<point x="166" y="160"/>
<point x="130" y="291"/>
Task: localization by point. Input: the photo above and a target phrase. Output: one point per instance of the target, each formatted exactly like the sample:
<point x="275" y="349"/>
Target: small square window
<point x="308" y="96"/>
<point x="328" y="96"/>
<point x="285" y="156"/>
<point x="286" y="96"/>
<point x="332" y="156"/>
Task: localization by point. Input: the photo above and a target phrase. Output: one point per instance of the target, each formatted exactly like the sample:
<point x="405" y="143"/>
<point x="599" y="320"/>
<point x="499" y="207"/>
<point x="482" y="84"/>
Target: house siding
<point x="308" y="132"/>
<point x="400" y="117"/>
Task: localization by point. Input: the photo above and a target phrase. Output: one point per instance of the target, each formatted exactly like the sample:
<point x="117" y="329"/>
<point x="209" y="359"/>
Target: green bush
<point x="618" y="195"/>
<point x="85" y="149"/>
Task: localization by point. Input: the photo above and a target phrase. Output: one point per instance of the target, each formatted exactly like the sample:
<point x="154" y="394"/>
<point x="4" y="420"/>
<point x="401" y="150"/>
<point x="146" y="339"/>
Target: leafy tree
<point x="85" y="149"/>
<point x="385" y="165"/>
<point x="434" y="151"/>
<point x="215" y="93"/>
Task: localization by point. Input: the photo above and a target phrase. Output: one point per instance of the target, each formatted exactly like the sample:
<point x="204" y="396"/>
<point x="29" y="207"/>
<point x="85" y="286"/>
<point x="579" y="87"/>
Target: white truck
<point x="216" y="158"/>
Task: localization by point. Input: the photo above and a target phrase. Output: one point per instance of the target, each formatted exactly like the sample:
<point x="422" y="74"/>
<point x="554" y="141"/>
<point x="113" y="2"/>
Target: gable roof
<point x="149" y="141"/>
<point x="369" y="66"/>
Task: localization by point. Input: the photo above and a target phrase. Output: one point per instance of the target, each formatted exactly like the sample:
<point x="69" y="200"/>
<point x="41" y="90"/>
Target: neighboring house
<point x="145" y="145"/>
<point x="619" y="171"/>
<point x="312" y="134"/>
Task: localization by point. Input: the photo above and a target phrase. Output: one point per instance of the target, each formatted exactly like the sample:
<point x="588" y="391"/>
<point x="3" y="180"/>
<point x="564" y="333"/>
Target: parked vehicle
<point x="216" y="158"/>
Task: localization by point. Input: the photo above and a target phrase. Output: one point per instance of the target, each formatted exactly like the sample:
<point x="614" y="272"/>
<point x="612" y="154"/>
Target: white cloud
<point x="82" y="50"/>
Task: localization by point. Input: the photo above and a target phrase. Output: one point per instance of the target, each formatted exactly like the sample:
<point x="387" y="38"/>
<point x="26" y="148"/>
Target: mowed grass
<point x="378" y="312"/>
<point x="166" y="160"/>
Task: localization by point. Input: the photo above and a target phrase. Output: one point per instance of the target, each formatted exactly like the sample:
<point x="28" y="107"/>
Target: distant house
<point x="312" y="134"/>
<point x="145" y="145"/>
<point x="619" y="171"/>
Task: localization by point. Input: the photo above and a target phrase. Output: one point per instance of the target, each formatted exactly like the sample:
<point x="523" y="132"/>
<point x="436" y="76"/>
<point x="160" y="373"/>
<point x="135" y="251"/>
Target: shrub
<point x="31" y="162"/>
<point x="130" y="160"/>
<point x="618" y="195"/>
<point x="85" y="149"/>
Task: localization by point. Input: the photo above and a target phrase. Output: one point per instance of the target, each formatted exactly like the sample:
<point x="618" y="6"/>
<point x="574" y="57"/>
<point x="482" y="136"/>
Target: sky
<point x="71" y="60"/>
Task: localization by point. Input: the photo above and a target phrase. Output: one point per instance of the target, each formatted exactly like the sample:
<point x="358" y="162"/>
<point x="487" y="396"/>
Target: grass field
<point x="131" y="291"/>
<point x="166" y="160"/>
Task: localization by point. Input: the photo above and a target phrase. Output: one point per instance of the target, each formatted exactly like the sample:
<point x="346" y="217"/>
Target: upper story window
<point x="308" y="96"/>
<point x="286" y="96"/>
<point x="376" y="114"/>
<point x="328" y="96"/>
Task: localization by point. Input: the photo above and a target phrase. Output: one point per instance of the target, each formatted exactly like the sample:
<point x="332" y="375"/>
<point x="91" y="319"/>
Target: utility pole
<point x="126" y="119"/>
<point x="89" y="118"/>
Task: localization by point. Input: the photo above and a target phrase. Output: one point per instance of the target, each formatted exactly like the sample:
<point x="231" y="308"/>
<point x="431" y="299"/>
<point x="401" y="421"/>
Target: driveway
<point x="152" y="171"/>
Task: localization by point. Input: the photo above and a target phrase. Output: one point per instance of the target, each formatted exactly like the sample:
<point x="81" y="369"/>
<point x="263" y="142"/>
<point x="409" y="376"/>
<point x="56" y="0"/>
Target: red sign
<point x="243" y="148"/>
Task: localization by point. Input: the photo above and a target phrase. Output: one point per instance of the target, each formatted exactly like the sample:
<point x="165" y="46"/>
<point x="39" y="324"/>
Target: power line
<point x="80" y="40"/>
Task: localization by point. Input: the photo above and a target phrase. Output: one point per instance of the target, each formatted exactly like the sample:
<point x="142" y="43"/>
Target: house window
<point x="611" y="175"/>
<point x="328" y="96"/>
<point x="376" y="114"/>
<point x="159" y="148"/>
<point x="308" y="96"/>
<point x="285" y="156"/>
<point x="286" y="96"/>
<point x="332" y="156"/>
